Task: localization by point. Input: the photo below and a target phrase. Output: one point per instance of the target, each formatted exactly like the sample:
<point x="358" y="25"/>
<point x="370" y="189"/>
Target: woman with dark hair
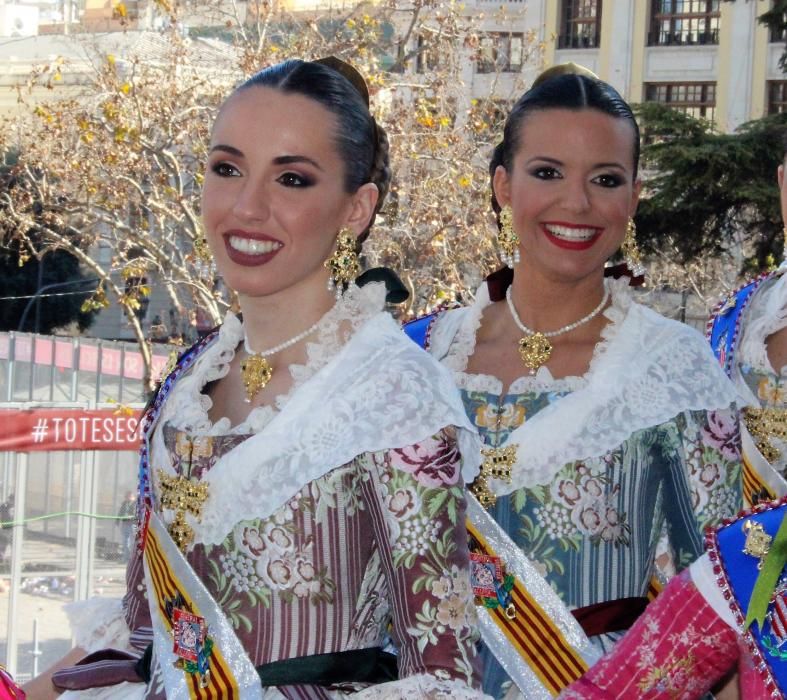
<point x="729" y="608"/>
<point x="300" y="481"/>
<point x="608" y="429"/>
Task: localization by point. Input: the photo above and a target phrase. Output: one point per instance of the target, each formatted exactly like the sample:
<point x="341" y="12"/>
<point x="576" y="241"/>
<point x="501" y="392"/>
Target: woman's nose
<point x="576" y="197"/>
<point x="251" y="203"/>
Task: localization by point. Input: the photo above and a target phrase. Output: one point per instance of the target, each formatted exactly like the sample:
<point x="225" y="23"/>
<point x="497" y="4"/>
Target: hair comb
<point x="569" y="68"/>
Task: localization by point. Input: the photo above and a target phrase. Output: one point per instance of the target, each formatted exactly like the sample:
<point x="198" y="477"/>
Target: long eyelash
<point x="219" y="165"/>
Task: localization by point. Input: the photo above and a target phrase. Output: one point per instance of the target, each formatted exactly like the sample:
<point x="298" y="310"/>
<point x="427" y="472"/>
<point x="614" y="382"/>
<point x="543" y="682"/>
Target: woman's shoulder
<point x="661" y="326"/>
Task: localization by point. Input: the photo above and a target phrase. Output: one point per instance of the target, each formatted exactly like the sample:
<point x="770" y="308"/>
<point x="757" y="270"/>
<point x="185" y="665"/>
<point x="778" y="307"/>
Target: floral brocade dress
<point x="596" y="528"/>
<point x="362" y="554"/>
<point x="331" y="569"/>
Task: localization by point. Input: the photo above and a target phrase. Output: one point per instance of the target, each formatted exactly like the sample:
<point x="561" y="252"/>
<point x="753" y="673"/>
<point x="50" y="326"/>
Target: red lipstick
<point x="566" y="244"/>
<point x="250" y="259"/>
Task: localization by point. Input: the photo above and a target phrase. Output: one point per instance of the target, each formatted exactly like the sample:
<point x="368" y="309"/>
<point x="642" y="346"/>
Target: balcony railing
<point x="568" y="41"/>
<point x="683" y="38"/>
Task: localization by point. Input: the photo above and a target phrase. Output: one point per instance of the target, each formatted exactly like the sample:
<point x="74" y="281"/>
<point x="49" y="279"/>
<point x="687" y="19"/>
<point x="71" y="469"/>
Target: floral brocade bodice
<point x="324" y="572"/>
<point x="496" y="416"/>
<point x="676" y="477"/>
<point x="768" y="386"/>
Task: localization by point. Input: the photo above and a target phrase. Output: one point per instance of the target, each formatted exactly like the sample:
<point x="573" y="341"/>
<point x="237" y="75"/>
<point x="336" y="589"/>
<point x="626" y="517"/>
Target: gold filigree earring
<point x="343" y="264"/>
<point x="630" y="250"/>
<point x="507" y="238"/>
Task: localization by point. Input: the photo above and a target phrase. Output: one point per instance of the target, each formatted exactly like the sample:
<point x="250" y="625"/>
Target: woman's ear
<point x="362" y="207"/>
<point x="636" y="190"/>
<point x="501" y="186"/>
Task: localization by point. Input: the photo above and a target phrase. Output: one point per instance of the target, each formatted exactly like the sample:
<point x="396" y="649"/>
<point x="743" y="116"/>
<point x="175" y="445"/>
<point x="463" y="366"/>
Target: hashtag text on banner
<point x="44" y="429"/>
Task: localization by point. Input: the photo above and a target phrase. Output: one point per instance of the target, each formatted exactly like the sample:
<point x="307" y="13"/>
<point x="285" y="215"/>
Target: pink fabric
<point x="678" y="649"/>
<point x="8" y="689"/>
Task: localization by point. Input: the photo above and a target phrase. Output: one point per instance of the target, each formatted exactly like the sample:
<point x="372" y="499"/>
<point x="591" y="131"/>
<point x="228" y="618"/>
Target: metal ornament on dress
<point x="535" y="348"/>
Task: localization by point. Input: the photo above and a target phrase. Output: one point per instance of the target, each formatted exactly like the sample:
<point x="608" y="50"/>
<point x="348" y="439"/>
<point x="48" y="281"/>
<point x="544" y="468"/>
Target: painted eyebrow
<point x="227" y="149"/>
<point x="280" y="160"/>
<point x="555" y="161"/>
<point x="286" y="160"/>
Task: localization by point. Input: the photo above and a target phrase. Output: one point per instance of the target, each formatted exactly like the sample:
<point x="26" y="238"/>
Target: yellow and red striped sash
<point x="167" y="586"/>
<point x="532" y="633"/>
<point x="760" y="481"/>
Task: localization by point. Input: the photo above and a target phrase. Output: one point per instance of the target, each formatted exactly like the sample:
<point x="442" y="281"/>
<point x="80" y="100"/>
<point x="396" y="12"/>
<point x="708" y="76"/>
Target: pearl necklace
<point x="256" y="371"/>
<point x="534" y="349"/>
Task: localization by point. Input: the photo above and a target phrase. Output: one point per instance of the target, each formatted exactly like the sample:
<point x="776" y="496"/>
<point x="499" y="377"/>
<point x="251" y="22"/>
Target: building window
<point x="696" y="99"/>
<point x="500" y="51"/>
<point x="580" y="24"/>
<point x="684" y="22"/>
<point x="777" y="96"/>
<point x="777" y="34"/>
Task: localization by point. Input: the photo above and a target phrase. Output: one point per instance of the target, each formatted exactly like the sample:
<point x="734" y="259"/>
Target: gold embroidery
<point x="758" y="542"/>
<point x="496" y="465"/>
<point x="183" y="496"/>
<point x="764" y="424"/>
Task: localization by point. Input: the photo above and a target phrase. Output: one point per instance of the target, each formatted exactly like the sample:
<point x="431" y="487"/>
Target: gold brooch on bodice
<point x="535" y="348"/>
<point x="183" y="496"/>
<point x="496" y="465"/>
<point x="758" y="542"/>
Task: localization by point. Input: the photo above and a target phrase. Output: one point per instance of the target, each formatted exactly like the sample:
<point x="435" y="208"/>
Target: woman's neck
<point x="271" y="320"/>
<point x="545" y="304"/>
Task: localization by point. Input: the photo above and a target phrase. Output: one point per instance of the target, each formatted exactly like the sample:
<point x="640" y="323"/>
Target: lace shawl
<point x="766" y="314"/>
<point x="378" y="391"/>
<point x="646" y="370"/>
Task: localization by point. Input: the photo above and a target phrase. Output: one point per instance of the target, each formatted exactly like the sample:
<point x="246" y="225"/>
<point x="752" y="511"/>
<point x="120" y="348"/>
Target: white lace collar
<point x="766" y="314"/>
<point x="457" y="351"/>
<point x="646" y="370"/>
<point x="188" y="406"/>
<point x="378" y="391"/>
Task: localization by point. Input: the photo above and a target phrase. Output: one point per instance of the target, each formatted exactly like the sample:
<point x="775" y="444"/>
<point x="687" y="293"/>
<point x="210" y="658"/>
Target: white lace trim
<point x="424" y="686"/>
<point x="98" y="623"/>
<point x="540" y="383"/>
<point x="646" y="370"/>
<point x="766" y="314"/>
<point x="454" y="337"/>
<point x="188" y="407"/>
<point x="380" y="391"/>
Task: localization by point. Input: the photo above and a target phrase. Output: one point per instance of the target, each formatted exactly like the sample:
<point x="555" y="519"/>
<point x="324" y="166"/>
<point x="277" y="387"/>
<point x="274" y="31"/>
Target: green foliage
<point x="60" y="274"/>
<point x="705" y="191"/>
<point x="21" y="276"/>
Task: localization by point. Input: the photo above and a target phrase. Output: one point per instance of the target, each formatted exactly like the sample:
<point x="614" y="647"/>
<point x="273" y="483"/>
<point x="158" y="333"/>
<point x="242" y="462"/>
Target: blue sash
<point x="418" y="330"/>
<point x="724" y="324"/>
<point x="737" y="573"/>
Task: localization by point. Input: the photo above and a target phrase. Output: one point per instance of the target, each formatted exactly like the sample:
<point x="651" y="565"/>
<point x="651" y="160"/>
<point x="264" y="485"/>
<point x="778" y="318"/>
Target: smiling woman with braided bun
<point x="606" y="426"/>
<point x="301" y="482"/>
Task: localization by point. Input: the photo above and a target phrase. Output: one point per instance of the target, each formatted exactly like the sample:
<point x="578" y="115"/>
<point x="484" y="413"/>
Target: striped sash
<point x="169" y="577"/>
<point x="542" y="648"/>
<point x="761" y="482"/>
